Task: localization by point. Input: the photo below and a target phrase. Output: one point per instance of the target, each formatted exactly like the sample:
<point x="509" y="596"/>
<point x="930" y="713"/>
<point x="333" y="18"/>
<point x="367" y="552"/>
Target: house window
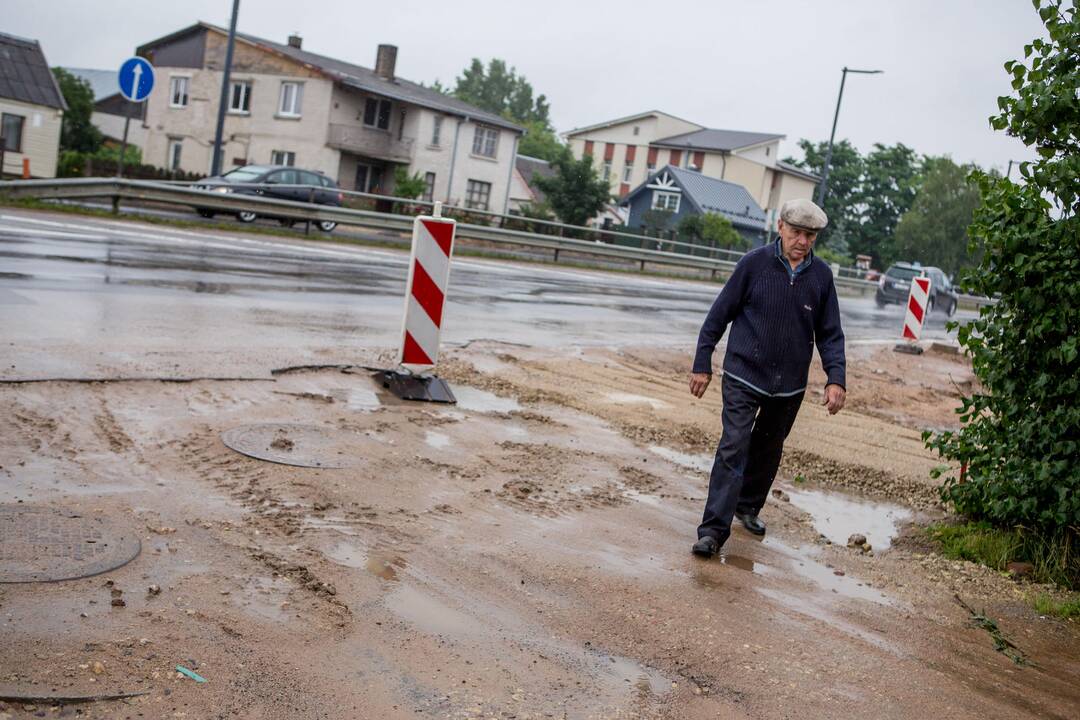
<point x="172" y="160"/>
<point x="240" y="97"/>
<point x="436" y="130"/>
<point x="429" y="186"/>
<point x="485" y="141"/>
<point x="178" y="91"/>
<point x="666" y="201"/>
<point x="607" y="170"/>
<point x="283" y="157"/>
<point x="377" y="113"/>
<point x="637" y="129"/>
<point x="627" y="171"/>
<point x="650" y="166"/>
<point x="11" y="130"/>
<point x="291" y="99"/>
<point x="477" y="195"/>
<point x="767" y="152"/>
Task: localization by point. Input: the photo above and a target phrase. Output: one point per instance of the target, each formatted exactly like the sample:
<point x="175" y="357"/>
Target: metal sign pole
<point x="123" y="143"/>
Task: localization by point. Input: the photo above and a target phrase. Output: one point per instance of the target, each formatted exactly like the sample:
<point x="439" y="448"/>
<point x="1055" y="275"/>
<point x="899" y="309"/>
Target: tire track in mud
<point x="254" y="485"/>
<point x="685" y="436"/>
<point x="109" y="430"/>
<point x="551" y="481"/>
<point x="45" y="437"/>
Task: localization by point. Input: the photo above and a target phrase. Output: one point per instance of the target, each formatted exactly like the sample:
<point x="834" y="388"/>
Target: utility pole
<point x="824" y="186"/>
<point x="215" y="168"/>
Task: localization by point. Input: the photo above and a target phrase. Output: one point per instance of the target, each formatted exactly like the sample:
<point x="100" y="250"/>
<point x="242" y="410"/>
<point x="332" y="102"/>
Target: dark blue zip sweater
<point x="776" y="316"/>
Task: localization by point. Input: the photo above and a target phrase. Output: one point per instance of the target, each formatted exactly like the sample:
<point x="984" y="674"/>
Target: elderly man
<point x="779" y="301"/>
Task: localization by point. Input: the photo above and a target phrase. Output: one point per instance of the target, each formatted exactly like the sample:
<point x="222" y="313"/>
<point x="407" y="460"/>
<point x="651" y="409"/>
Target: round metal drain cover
<point x="300" y="445"/>
<point x="47" y="544"/>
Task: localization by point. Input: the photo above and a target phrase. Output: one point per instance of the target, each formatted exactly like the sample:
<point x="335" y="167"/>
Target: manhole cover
<point x="301" y="445"/>
<point x="46" y="544"/>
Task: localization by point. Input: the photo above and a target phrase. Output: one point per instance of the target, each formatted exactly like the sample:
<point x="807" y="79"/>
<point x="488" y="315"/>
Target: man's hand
<point x="698" y="383"/>
<point x="834" y="398"/>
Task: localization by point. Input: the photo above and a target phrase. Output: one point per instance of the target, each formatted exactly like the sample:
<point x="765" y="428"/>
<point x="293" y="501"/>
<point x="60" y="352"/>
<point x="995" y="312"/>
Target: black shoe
<point x="706" y="546"/>
<point x="752" y="522"/>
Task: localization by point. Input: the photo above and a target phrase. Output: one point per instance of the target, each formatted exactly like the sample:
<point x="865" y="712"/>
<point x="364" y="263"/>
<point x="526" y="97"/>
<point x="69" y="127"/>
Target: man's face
<point x="796" y="241"/>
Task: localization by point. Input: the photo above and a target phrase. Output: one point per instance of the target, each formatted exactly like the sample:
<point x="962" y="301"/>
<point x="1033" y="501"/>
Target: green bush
<point x="408" y="186"/>
<point x="1020" y="435"/>
<point x="710" y="230"/>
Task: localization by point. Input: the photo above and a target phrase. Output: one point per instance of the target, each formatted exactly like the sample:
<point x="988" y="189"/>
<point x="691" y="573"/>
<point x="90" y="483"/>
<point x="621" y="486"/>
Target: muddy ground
<point x="524" y="554"/>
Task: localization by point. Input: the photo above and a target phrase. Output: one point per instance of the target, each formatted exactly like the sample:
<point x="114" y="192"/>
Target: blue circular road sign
<point x="136" y="79"/>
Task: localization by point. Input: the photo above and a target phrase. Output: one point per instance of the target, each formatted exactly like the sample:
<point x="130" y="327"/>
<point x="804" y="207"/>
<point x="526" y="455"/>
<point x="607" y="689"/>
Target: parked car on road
<point x="274" y="181"/>
<point x="895" y="285"/>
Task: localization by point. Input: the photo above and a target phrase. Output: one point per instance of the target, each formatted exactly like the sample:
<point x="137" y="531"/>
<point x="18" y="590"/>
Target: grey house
<point x="684" y="192"/>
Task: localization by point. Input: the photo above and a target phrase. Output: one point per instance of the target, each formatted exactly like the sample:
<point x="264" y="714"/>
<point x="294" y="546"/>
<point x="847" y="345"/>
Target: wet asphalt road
<point x="80" y="296"/>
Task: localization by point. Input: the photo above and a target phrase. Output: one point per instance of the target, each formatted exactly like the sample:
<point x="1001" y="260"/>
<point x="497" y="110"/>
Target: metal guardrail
<point x="539" y="226"/>
<point x="181" y="194"/>
<point x="149" y="191"/>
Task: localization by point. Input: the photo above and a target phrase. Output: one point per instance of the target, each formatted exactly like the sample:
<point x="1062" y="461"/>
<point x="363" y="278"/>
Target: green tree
<point x="500" y="90"/>
<point x="76" y="132"/>
<point x="541" y="142"/>
<point x="934" y="230"/>
<point x="713" y="230"/>
<point x="575" y="192"/>
<point x="1020" y="437"/>
<point x="841" y="202"/>
<point x="891" y="176"/>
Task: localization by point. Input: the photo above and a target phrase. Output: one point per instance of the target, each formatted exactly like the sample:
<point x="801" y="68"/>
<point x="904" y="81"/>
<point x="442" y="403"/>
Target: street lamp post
<point x="824" y="186"/>
<point x="215" y="161"/>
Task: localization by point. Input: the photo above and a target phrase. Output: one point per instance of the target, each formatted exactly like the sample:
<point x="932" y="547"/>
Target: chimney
<point x="295" y="40"/>
<point x="385" y="59"/>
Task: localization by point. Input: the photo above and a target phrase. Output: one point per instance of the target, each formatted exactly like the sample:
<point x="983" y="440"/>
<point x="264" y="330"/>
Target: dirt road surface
<point x="522" y="554"/>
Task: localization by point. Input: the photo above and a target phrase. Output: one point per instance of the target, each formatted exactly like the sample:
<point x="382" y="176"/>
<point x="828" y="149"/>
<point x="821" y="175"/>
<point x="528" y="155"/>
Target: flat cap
<point x="804" y="214"/>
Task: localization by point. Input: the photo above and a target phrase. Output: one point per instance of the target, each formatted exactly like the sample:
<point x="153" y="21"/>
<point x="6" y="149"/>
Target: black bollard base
<point x="423" y="388"/>
<point x="909" y="348"/>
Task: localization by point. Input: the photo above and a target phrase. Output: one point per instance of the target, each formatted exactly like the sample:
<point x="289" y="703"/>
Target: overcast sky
<point x="767" y="65"/>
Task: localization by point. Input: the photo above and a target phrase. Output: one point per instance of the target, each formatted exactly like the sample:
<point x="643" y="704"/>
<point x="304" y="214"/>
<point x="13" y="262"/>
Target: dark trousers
<point x="755" y="427"/>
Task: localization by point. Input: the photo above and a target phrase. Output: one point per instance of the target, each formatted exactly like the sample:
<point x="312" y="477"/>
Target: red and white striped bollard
<point x="918" y="303"/>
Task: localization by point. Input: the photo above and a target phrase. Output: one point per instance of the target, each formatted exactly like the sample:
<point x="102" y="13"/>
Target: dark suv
<point x="275" y="181"/>
<point x="895" y="285"/>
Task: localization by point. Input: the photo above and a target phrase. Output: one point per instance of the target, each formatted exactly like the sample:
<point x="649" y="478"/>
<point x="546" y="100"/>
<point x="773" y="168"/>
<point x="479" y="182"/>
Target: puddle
<point x="430" y="615"/>
<point x="384" y="566"/>
<point x="469" y="398"/>
<point x="741" y="563"/>
<point x="627" y="671"/>
<point x="700" y="463"/>
<point x="347" y="554"/>
<point x="838" y="516"/>
<point x="436" y="439"/>
<point x="804" y="566"/>
<point x="631" y="399"/>
<point x="264" y="597"/>
<point x="362" y="399"/>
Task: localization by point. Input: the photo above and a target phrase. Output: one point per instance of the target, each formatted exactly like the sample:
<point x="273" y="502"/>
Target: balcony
<point x="370" y="143"/>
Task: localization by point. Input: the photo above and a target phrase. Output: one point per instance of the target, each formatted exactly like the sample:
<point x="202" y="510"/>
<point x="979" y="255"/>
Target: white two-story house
<point x="288" y="106"/>
<point x="627" y="151"/>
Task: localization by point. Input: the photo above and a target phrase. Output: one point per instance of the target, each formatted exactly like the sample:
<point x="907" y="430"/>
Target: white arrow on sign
<point x="136" y="73"/>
